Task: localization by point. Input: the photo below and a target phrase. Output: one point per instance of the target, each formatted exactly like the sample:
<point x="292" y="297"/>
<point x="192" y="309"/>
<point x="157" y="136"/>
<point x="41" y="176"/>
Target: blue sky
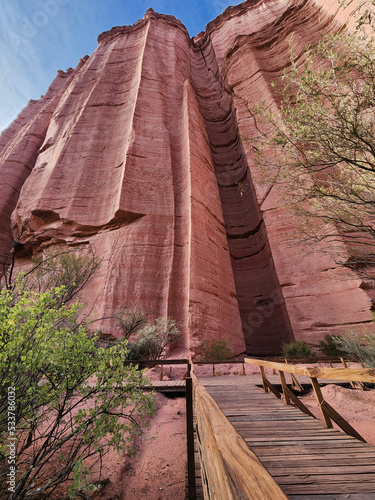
<point x="38" y="37"/>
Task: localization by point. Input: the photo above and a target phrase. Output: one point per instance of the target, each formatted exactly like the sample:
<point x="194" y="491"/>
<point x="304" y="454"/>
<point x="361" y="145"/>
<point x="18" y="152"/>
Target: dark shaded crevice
<point x="249" y="233"/>
<point x="249" y="256"/>
<point x="265" y="328"/>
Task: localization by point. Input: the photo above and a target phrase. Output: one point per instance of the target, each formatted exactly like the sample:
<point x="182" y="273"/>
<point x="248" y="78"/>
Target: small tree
<point x="130" y="321"/>
<point x="216" y="350"/>
<point x="70" y="402"/>
<point x="319" y="145"/>
<point x="329" y="346"/>
<point x="359" y="348"/>
<point x="152" y="340"/>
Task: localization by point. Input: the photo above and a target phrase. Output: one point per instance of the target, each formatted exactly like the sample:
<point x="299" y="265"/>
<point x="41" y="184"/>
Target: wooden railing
<point x="229" y="468"/>
<point x="339" y="374"/>
<point x="215" y="363"/>
<point x="150" y="363"/>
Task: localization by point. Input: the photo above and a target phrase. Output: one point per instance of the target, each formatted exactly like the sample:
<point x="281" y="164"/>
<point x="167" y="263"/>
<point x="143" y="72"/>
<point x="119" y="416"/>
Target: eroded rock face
<point x="137" y="154"/>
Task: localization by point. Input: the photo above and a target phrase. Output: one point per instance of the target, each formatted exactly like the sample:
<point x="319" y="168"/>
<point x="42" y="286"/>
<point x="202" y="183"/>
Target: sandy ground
<point x="355" y="405"/>
<point x="158" y="471"/>
<point x="159" y="468"/>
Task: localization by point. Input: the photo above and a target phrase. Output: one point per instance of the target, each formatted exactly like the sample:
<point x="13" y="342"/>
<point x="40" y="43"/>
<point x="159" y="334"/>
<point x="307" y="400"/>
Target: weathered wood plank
<point x="283" y="426"/>
<point x="317" y="460"/>
<point x="302" y="450"/>
<point x="252" y="442"/>
<point x="344" y="496"/>
<point x="327" y="479"/>
<point x="334" y="488"/>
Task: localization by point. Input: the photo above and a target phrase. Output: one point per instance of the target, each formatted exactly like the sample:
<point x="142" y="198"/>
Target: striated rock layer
<point x="137" y="154"/>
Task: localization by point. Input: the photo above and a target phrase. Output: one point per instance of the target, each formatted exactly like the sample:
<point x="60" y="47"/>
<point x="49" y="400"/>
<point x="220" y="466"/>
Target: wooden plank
<point x="327" y="469"/>
<point x="290" y="440"/>
<point x="261" y="428"/>
<point x="285" y="425"/>
<point x="232" y="470"/>
<point x="348" y="374"/>
<point x="343" y="496"/>
<point x="334" y="488"/>
<point x="307" y="433"/>
<point x="329" y="440"/>
<point x="289" y="443"/>
<point x="270" y="418"/>
<point x="327" y="479"/>
<point x="317" y="460"/>
<point x="262" y="408"/>
<point x="347" y="449"/>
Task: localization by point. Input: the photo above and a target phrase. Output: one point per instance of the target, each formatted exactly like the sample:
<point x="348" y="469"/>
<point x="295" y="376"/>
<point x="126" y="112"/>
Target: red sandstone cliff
<point x="137" y="154"/>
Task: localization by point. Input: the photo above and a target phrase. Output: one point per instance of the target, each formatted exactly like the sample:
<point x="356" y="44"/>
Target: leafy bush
<point x="329" y="346"/>
<point x="151" y="341"/>
<point x="70" y="400"/>
<point x="216" y="350"/>
<point x="359" y="348"/>
<point x="297" y="349"/>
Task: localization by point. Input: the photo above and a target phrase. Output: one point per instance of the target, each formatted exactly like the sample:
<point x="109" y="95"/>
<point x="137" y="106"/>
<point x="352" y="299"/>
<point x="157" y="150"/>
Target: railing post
<point x="284" y="387"/>
<point x="355" y="385"/>
<point x="319" y="397"/>
<point x="263" y="373"/>
<point x="190" y="437"/>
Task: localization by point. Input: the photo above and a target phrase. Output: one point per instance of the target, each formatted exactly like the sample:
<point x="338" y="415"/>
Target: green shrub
<point x="359" y="348"/>
<point x="152" y="340"/>
<point x="63" y="401"/>
<point x="216" y="350"/>
<point x="330" y="347"/>
<point x="297" y="349"/>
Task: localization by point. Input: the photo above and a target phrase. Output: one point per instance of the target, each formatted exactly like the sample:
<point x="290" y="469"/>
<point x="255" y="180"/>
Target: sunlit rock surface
<point x="139" y="154"/>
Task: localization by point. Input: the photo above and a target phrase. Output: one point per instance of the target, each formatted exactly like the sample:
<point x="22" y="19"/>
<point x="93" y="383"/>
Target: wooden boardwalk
<point x="308" y="461"/>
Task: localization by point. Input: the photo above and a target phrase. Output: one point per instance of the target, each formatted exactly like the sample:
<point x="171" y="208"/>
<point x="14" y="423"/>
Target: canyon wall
<point x="138" y="155"/>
